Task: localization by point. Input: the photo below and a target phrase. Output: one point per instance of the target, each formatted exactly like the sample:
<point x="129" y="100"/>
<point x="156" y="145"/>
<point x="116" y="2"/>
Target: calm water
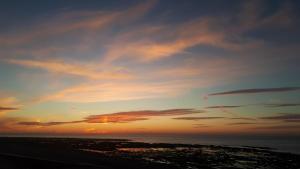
<point x="284" y="144"/>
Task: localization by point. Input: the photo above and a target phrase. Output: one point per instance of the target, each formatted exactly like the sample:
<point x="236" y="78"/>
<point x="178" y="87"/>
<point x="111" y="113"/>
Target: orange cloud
<point x="178" y="38"/>
<point x="7" y="108"/>
<point x="6" y="123"/>
<point x="87" y="71"/>
<point x="168" y="81"/>
<point x="215" y="31"/>
<point x="113" y="91"/>
<point x="137" y="115"/>
<point x="8" y="104"/>
<point x="120" y="117"/>
<point x="35" y="123"/>
<point x="197" y="118"/>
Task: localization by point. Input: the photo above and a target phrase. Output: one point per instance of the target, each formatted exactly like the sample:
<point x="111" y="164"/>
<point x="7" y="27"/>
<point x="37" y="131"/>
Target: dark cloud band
<point x="7" y="108"/>
<point x="220" y="107"/>
<point x="121" y="117"/>
<point x="258" y="90"/>
<point x="197" y="118"/>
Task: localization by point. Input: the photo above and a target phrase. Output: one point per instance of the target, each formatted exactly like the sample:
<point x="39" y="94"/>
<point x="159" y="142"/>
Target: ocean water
<point x="276" y="143"/>
<point x="281" y="144"/>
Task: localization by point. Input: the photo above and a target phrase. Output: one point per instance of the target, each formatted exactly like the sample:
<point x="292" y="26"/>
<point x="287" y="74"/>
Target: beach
<point x="69" y="153"/>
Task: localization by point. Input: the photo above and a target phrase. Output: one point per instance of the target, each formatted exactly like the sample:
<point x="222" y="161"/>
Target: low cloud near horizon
<point x="284" y="117"/>
<point x="256" y="90"/>
<point x="197" y="118"/>
<point x="282" y="105"/>
<point x="121" y="117"/>
<point x="220" y="107"/>
<point x="7" y="108"/>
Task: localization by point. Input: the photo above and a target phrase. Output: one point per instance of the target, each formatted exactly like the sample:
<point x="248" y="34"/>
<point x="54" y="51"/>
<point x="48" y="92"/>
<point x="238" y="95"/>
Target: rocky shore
<point x="75" y="153"/>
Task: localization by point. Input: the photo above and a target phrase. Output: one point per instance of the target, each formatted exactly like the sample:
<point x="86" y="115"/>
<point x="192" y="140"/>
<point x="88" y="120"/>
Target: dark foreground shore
<point x="73" y="153"/>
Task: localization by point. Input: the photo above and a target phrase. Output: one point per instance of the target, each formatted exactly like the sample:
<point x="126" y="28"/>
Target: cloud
<point x="220" y="107"/>
<point x="200" y="125"/>
<point x="121" y="117"/>
<point x="241" y="123"/>
<point x="197" y="118"/>
<point x="282" y="105"/>
<point x="8" y="100"/>
<point x="242" y="118"/>
<point x="252" y="16"/>
<point x="161" y="83"/>
<point x="145" y="47"/>
<point x="6" y="123"/>
<point x="135" y="43"/>
<point x="284" y="117"/>
<point x="47" y="124"/>
<point x="112" y="91"/>
<point x="206" y="68"/>
<point x="225" y="32"/>
<point x="8" y="104"/>
<point x="87" y="71"/>
<point x="7" y="108"/>
<point x="138" y="115"/>
<point x="71" y="21"/>
<point x="279" y="127"/>
<point x="257" y="90"/>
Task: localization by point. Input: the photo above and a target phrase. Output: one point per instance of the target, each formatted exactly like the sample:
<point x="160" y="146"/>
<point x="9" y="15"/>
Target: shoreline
<point x="135" y="138"/>
<point x="91" y="153"/>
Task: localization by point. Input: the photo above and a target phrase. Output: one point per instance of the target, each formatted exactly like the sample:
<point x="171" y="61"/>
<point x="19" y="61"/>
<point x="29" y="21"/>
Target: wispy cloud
<point x="242" y="118"/>
<point x="7" y="108"/>
<point x="47" y="123"/>
<point x="211" y="30"/>
<point x="197" y="118"/>
<point x="111" y="91"/>
<point x="138" y="115"/>
<point x="64" y="23"/>
<point x="178" y="38"/>
<point x="278" y="127"/>
<point x="240" y="123"/>
<point x="200" y="125"/>
<point x="220" y="107"/>
<point x="251" y="16"/>
<point x="6" y="123"/>
<point x="256" y="90"/>
<point x="121" y="117"/>
<point x="281" y="104"/>
<point x="284" y="117"/>
<point x="88" y="71"/>
<point x="136" y="43"/>
<point x="8" y="104"/>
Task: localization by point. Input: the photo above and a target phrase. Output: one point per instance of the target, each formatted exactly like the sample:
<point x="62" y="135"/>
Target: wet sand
<point x="74" y="153"/>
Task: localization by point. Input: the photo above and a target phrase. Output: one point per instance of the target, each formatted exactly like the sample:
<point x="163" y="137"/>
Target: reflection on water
<point x="143" y="149"/>
<point x="283" y="144"/>
<point x="196" y="156"/>
<point x="122" y="153"/>
<point x="95" y="151"/>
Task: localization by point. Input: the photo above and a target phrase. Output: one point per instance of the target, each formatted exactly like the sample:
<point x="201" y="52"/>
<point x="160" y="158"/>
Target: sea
<point x="289" y="144"/>
<point x="280" y="144"/>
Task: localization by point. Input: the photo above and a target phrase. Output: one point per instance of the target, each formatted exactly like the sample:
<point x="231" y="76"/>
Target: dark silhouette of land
<point x="75" y="153"/>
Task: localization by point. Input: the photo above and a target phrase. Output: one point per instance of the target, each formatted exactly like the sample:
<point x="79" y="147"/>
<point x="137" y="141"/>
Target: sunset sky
<point x="169" y="66"/>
